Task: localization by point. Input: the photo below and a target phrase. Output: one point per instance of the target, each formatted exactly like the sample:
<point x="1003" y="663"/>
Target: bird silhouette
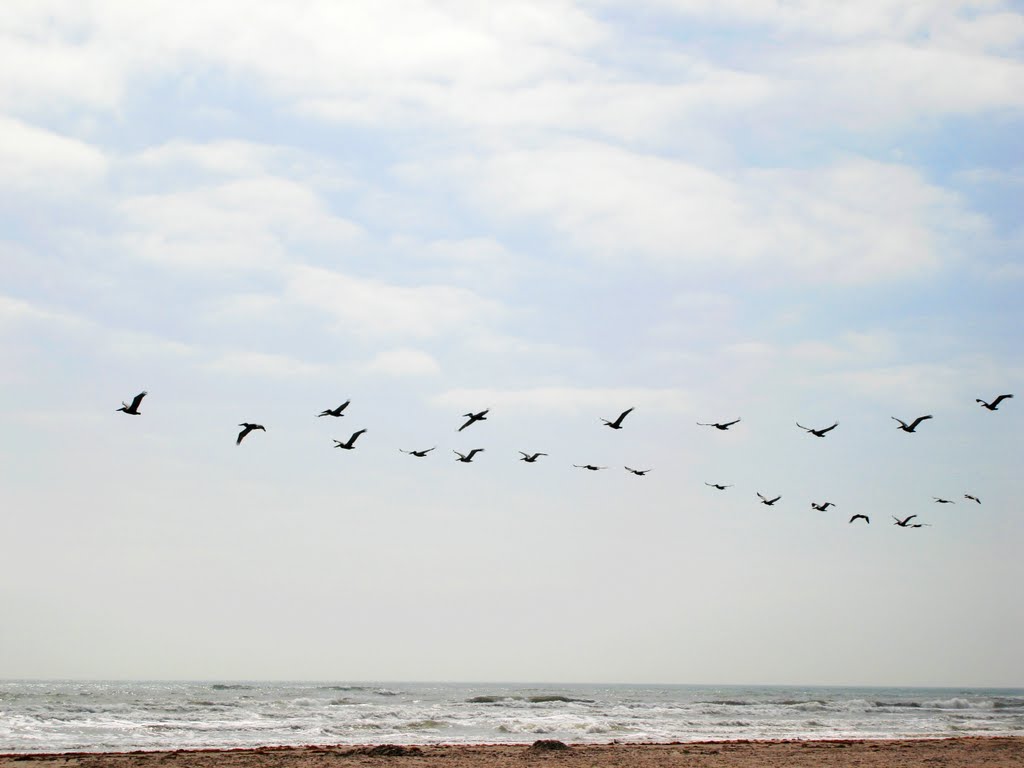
<point x="337" y="411"/>
<point x="768" y="502"/>
<point x="719" y="425"/>
<point x="473" y="418"/>
<point x="591" y="467"/>
<point x="942" y="501"/>
<point x="418" y="454"/>
<point x="912" y="426"/>
<point x="349" y="444"/>
<point x="818" y="432"/>
<point x="972" y="498"/>
<point x="904" y="522"/>
<point x="823" y="507"/>
<point x="465" y="458"/>
<point x="529" y="458"/>
<point x="248" y="428"/>
<point x="865" y="518"/>
<point x="133" y="409"/>
<point x="994" y="405"/>
<point x="638" y="472"/>
<point x="617" y="424"/>
<point x="719" y="486"/>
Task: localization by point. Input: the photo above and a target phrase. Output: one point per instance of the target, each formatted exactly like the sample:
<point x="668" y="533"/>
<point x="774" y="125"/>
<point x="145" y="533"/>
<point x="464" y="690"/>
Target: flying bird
<point x="912" y="426"/>
<point x="903" y="523"/>
<point x="823" y="507"/>
<point x="818" y="432"/>
<point x="972" y="498"/>
<point x="719" y="486"/>
<point x="337" y="411"/>
<point x="617" y="424"/>
<point x="638" y="472"/>
<point x="474" y="417"/>
<point x="865" y="518"/>
<point x="465" y="458"/>
<point x="591" y="467"/>
<point x="418" y="454"/>
<point x="529" y="458"/>
<point x="719" y="425"/>
<point x="349" y="444"/>
<point x="248" y="428"/>
<point x="133" y="409"/>
<point x="942" y="501"/>
<point x="768" y="502"/>
<point x="994" y="405"/>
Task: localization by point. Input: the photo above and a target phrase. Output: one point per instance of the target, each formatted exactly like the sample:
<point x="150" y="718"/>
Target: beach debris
<point x="549" y="745"/>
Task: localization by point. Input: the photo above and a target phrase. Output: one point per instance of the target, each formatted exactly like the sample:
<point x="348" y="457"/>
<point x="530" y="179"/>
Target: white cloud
<point x="404" y="362"/>
<point x="262" y="364"/>
<point x="37" y="160"/>
<point x="374" y="307"/>
<point x="241" y="223"/>
<point x="855" y="221"/>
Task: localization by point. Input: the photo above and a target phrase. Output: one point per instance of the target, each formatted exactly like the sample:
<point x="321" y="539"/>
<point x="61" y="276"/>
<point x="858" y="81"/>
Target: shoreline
<point x="989" y="751"/>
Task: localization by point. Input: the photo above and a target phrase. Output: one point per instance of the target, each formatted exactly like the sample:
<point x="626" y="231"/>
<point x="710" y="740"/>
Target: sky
<point x="743" y="209"/>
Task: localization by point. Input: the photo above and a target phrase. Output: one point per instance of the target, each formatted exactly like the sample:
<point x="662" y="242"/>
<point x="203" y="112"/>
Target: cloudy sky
<point x="776" y="211"/>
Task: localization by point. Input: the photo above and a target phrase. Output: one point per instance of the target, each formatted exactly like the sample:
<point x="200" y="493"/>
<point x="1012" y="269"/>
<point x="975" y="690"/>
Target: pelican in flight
<point x="719" y="486"/>
<point x="766" y="501"/>
<point x="942" y="501"/>
<point x="638" y="472"/>
<point x="817" y="432"/>
<point x="351" y="442"/>
<point x="912" y="425"/>
<point x="465" y="458"/>
<point x="823" y="507"/>
<point x="617" y="424"/>
<point x="474" y="417"/>
<point x="591" y="467"/>
<point x="904" y="522"/>
<point x="719" y="425"/>
<point x="994" y="405"/>
<point x="337" y="411"/>
<point x="247" y="429"/>
<point x="972" y="498"/>
<point x="529" y="458"/>
<point x="865" y="518"/>
<point x="418" y="454"/>
<point x="133" y="409"/>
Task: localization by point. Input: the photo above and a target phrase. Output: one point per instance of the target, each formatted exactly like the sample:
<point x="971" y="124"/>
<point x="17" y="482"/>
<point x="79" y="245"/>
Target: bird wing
<point x="918" y="420"/>
<point x="995" y="402"/>
<point x="138" y="400"/>
<point x="623" y="415"/>
<point x="803" y="427"/>
<point x="243" y="433"/>
<point x="761" y="497"/>
<point x="829" y="429"/>
<point x="901" y="421"/>
<point x="729" y="424"/>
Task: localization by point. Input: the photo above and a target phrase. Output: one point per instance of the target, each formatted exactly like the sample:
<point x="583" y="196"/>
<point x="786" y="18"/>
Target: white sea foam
<point x="125" y="716"/>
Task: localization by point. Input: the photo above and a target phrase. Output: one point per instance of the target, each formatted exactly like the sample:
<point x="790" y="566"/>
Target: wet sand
<point x="973" y="752"/>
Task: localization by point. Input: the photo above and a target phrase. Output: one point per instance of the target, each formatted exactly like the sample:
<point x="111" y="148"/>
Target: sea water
<point x="121" y="716"/>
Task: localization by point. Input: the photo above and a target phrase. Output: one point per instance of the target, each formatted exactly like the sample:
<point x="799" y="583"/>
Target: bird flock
<point x="471" y="418"/>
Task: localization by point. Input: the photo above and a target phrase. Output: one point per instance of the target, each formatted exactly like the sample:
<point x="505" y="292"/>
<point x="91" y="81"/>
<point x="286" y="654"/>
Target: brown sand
<point x="973" y="752"/>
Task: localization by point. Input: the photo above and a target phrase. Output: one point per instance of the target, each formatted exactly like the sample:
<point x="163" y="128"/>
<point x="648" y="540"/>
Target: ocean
<point x="37" y="716"/>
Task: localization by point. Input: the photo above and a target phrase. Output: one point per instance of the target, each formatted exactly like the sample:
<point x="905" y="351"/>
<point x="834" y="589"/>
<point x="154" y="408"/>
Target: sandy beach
<point x="1001" y="752"/>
